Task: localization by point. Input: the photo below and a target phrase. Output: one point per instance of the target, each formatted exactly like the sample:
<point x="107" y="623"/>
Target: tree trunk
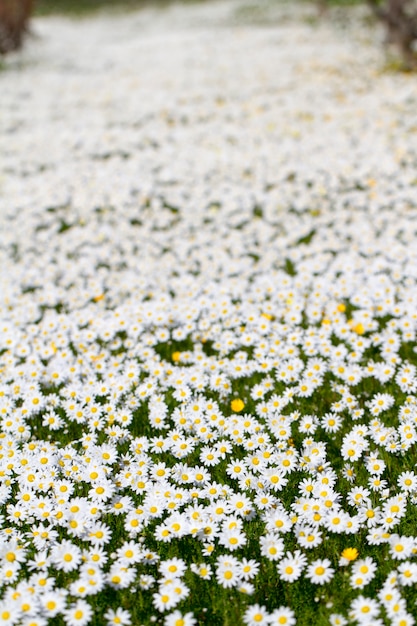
<point x="400" y="20"/>
<point x="14" y="19"/>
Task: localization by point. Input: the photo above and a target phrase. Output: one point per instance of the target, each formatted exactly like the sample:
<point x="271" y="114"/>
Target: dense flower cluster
<point x="208" y="378"/>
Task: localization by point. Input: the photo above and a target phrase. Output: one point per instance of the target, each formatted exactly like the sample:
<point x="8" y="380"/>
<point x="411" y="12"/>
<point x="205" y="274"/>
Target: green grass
<point x="254" y="10"/>
<point x="88" y="7"/>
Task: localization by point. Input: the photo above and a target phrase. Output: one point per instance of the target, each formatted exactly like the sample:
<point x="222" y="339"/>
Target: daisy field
<point x="208" y="314"/>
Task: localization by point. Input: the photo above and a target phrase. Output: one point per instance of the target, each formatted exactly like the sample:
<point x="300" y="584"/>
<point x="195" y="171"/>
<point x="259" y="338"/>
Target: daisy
<point x="331" y="422"/>
<point x="255" y="615"/>
<point x="352" y="449"/>
<point x="99" y="534"/>
<point x="246" y="588"/>
<point x="235" y="468"/>
<point x="178" y="587"/>
<point x="9" y="572"/>
<point x="129" y="552"/>
<point x="358" y="496"/>
<point x="66" y="556"/>
<point x="248" y="568"/>
<point x="272" y="546"/>
<point x="173" y="568"/>
<point x="396" y="608"/>
<point x="287" y="461"/>
<point x="275" y="478"/>
<point x="363" y="571"/>
<point x="52" y="602"/>
<point x="25" y="598"/>
<point x="401" y="547"/>
<point x="364" y="610"/>
<point x="232" y="539"/>
<point x="146" y="581"/>
<point x="291" y="566"/>
<point x="408" y="435"/>
<point x="283" y="616"/>
<point x="81" y="588"/>
<point x="307" y="424"/>
<point x="389" y="594"/>
<point x="201" y="475"/>
<point x="278" y="520"/>
<point x="388" y="521"/>
<point x="164" y="600"/>
<point x="210" y="456"/>
<point x="374" y="465"/>
<point x="320" y="571"/>
<point x="407" y="481"/>
<point x="121" y="504"/>
<point x="33" y="621"/>
<point x="308" y="536"/>
<point x="97" y="556"/>
<point x="203" y="570"/>
<point x="381" y="402"/>
<point x="376" y="484"/>
<point x="228" y="572"/>
<point x="306" y="486"/>
<point x="219" y="510"/>
<point x="41" y="582"/>
<point x="208" y="549"/>
<point x="9" y="613"/>
<point x="407" y="573"/>
<point x="240" y="504"/>
<point x="336" y="521"/>
<point x="402" y="619"/>
<point x="102" y="492"/>
<point x="180" y="619"/>
<point x="78" y="614"/>
<point x="348" y="472"/>
<point x="13" y="551"/>
<point x="120" y="576"/>
<point x="396" y="506"/>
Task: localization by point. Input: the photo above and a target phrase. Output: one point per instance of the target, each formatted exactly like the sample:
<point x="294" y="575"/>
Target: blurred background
<point x="399" y="17"/>
<point x="45" y="7"/>
<point x="77" y="7"/>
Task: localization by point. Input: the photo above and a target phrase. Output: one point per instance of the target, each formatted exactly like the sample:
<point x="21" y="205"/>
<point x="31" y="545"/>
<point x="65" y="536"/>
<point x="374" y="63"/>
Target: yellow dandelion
<point x="350" y="554"/>
<point x="237" y="405"/>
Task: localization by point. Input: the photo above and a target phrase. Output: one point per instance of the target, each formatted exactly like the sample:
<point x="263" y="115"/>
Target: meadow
<point x="208" y="314"/>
